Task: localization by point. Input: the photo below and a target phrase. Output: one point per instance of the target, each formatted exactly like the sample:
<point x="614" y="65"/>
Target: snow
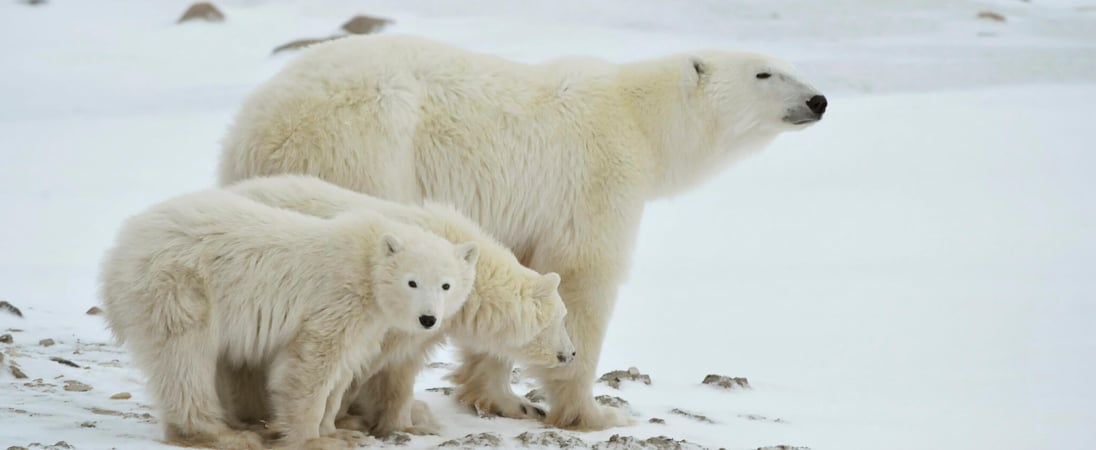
<point x="913" y="272"/>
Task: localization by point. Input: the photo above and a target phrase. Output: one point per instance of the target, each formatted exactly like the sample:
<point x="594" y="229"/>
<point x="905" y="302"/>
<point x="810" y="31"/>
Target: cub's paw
<point x="240" y="440"/>
<point x="589" y="417"/>
<point x="326" y="443"/>
<point x="353" y="437"/>
<point x="508" y="405"/>
<point x="351" y="422"/>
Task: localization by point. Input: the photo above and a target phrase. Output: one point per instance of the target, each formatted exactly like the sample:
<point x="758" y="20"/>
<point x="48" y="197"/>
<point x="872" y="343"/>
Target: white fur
<point x="512" y="312"/>
<point x="213" y="276"/>
<point x="555" y="160"/>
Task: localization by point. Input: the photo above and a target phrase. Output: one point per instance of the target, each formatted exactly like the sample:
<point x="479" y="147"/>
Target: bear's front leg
<point x="483" y="382"/>
<point x="387" y="399"/>
<point x="301" y="380"/>
<point x="590" y="295"/>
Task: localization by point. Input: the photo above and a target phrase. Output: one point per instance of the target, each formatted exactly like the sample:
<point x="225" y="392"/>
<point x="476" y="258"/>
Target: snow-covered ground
<point x="914" y="272"/>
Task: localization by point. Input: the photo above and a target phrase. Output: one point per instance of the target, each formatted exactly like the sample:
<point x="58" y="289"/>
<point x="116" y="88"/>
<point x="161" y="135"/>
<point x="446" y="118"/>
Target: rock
<point x="609" y="400"/>
<point x="550" y="439"/>
<point x="121" y="396"/>
<point x="64" y="361"/>
<point x="9" y="308"/>
<point x="990" y="15"/>
<point x="783" y="447"/>
<point x="76" y="386"/>
<point x="439" y="365"/>
<point x="615" y="377"/>
<point x="88" y="424"/>
<point x="618" y="442"/>
<point x="690" y="415"/>
<point x="6" y="339"/>
<point x="657" y="420"/>
<point x="446" y="391"/>
<point x="760" y="418"/>
<point x="365" y="24"/>
<point x="16" y="371"/>
<point x="34" y="2"/>
<point x="727" y="382"/>
<point x="202" y="11"/>
<point x="479" y="440"/>
<point x="46" y="342"/>
<point x="94" y="311"/>
<point x="300" y="43"/>
<point x="398" y="438"/>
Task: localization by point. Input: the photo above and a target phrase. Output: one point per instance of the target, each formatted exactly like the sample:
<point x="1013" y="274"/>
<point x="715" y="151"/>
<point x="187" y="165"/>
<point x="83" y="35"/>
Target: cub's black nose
<point x="428" y="321"/>
<point x="817" y="104"/>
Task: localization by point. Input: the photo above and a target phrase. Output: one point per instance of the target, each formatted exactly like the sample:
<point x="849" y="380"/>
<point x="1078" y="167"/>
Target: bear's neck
<point x="685" y="148"/>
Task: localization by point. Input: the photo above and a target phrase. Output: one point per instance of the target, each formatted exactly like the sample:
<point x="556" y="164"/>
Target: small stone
<point x="8" y="307"/>
<point x="76" y="386"/>
<point x="446" y="390"/>
<point x="694" y="416"/>
<point x="46" y="342"/>
<point x="783" y="447"/>
<point x="88" y="424"/>
<point x="202" y="11"/>
<point x="609" y="400"/>
<point x="121" y="396"/>
<point x="94" y="311"/>
<point x="301" y="43"/>
<point x="614" y="378"/>
<point x="17" y="372"/>
<point x="727" y="382"/>
<point x="64" y="361"/>
<point x="550" y="439"/>
<point x="479" y="440"/>
<point x="398" y="438"/>
<point x="6" y="339"/>
<point x="365" y="24"/>
<point x="990" y="15"/>
<point x="439" y="365"/>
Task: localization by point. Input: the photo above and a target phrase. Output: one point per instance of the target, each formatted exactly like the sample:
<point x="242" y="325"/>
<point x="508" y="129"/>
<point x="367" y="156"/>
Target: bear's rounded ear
<point x="390" y="245"/>
<point x="548" y="283"/>
<point x="469" y="252"/>
<point x="693" y="72"/>
<point x="700" y="68"/>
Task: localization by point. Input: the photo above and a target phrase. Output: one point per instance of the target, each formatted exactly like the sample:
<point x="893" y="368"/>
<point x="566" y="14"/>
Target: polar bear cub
<point x="513" y="313"/>
<point x="213" y="275"/>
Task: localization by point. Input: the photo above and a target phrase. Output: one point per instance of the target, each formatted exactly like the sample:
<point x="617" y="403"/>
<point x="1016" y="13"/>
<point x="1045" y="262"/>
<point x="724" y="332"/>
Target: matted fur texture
<point x="215" y="277"/>
<point x="556" y="160"/>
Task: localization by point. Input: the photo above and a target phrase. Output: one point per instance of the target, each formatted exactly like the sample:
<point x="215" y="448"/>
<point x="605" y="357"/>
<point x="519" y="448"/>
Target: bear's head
<point x="421" y="279"/>
<point x="742" y="90"/>
<point x="517" y="316"/>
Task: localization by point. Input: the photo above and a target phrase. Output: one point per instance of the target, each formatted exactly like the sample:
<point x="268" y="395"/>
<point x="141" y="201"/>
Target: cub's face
<point x="423" y="279"/>
<point x="550" y="345"/>
<point x="745" y="90"/>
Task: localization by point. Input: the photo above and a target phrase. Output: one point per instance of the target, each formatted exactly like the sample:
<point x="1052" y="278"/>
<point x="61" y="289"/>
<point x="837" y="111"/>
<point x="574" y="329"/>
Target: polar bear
<point x="214" y="276"/>
<point x="556" y="160"/>
<point x="513" y="313"/>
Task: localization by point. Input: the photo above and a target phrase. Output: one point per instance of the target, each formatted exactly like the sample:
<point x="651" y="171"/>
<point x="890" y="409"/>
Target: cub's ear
<point x="390" y="245"/>
<point x="469" y="252"/>
<point x="547" y="284"/>
<point x="700" y="68"/>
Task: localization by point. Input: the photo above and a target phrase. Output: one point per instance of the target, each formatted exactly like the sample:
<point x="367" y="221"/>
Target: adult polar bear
<point x="556" y="160"/>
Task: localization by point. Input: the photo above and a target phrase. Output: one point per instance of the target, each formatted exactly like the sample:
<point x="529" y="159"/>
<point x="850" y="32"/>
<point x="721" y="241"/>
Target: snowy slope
<point x="913" y="272"/>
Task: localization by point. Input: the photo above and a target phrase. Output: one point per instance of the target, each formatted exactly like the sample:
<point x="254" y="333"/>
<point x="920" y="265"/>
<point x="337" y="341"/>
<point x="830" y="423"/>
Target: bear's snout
<point x="565" y="358"/>
<point x="817" y="104"/>
<point x="428" y="321"/>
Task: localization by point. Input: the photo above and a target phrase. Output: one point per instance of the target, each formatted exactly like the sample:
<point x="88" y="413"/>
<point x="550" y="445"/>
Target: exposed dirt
<point x="479" y="440"/>
<point x="727" y="382"/>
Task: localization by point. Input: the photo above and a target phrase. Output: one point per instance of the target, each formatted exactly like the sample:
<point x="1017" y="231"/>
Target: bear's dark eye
<point x="445" y="287"/>
<point x="413" y="284"/>
<point x="764" y="75"/>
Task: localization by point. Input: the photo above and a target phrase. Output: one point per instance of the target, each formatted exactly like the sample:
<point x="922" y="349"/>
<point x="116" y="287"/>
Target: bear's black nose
<point x="565" y="358"/>
<point x="817" y="104"/>
<point x="428" y="321"/>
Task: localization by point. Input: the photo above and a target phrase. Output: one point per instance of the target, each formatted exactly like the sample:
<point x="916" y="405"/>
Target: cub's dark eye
<point x="764" y="75"/>
<point x="445" y="287"/>
<point x="413" y="284"/>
